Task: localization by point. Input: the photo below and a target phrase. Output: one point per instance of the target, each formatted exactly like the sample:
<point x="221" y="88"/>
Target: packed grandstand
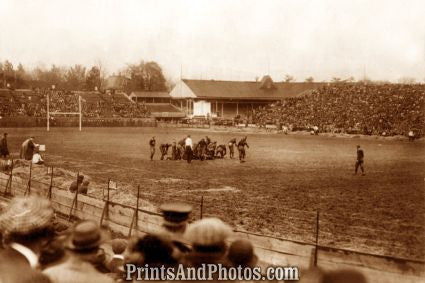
<point x="33" y="103"/>
<point x="374" y="109"/>
<point x="390" y="109"/>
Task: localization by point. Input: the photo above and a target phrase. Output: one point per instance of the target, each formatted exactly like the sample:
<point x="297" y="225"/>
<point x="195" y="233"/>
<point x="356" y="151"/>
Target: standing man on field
<point x="4" y="150"/>
<point x="188" y="149"/>
<point x="152" y="143"/>
<point x="232" y="143"/>
<point x="241" y="148"/>
<point x="27" y="149"/>
<point x="360" y="160"/>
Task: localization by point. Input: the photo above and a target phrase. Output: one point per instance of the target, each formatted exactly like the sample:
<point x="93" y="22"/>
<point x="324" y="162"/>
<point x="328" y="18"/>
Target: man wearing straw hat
<point x="83" y="246"/>
<point x="27" y="227"/>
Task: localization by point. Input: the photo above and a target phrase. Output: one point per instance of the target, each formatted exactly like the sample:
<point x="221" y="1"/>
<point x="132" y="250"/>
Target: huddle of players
<point x="202" y="150"/>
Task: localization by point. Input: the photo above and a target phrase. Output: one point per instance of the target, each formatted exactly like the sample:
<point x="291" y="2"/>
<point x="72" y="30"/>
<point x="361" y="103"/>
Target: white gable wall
<point x="201" y="108"/>
<point x="181" y="90"/>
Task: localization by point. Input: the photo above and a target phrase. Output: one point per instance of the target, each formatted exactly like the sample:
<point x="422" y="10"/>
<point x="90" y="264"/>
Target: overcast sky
<point x="229" y="40"/>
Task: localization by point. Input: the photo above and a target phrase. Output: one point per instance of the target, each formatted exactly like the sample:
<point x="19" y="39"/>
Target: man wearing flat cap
<point x="176" y="217"/>
<point x="208" y="239"/>
<point x="83" y="246"/>
<point x="27" y="226"/>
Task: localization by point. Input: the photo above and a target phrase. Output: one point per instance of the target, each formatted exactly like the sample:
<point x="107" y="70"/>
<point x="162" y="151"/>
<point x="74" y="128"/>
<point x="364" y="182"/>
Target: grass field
<point x="286" y="179"/>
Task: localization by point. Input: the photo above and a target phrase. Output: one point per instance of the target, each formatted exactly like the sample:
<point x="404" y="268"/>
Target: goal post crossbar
<point x="64" y="113"/>
<point x="79" y="113"/>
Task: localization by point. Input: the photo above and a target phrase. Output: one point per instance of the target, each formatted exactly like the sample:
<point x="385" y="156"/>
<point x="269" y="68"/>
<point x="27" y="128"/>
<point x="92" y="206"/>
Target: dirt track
<point x="286" y="179"/>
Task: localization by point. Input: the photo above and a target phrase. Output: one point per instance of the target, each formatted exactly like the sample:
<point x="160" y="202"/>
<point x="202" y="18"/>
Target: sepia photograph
<point x="212" y="140"/>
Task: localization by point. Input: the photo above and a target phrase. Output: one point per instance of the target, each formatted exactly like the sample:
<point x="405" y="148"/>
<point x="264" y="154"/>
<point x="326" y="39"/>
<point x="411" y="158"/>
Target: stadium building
<point x="158" y="103"/>
<point x="227" y="99"/>
<point x="150" y="96"/>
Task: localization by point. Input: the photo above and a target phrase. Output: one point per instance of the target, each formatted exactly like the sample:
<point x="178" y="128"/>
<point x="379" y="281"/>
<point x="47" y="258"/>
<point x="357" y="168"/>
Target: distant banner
<point x="112" y="185"/>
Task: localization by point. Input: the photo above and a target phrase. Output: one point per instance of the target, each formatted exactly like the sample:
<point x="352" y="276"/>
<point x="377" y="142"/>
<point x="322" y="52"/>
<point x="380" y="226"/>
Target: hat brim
<point x="174" y="224"/>
<point x="69" y="244"/>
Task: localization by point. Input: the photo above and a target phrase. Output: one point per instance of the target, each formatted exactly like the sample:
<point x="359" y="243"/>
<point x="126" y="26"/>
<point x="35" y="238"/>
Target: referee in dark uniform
<point x="360" y="161"/>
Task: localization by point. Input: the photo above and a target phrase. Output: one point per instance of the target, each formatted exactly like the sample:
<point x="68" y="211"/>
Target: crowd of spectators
<point x="21" y="103"/>
<point x="35" y="247"/>
<point x="389" y="109"/>
<point x="34" y="104"/>
<point x="130" y="110"/>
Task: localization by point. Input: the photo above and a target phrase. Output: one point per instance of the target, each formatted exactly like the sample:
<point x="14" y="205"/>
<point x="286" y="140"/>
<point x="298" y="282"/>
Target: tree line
<point x="143" y="76"/>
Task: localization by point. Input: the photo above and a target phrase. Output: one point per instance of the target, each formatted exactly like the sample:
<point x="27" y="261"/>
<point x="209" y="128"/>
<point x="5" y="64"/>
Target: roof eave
<point x="243" y="98"/>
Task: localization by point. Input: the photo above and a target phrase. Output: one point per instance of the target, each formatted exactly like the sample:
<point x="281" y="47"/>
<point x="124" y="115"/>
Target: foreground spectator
<point x="53" y="253"/>
<point x="116" y="263"/>
<point x="27" y="227"/>
<point x="208" y="238"/>
<point x="151" y="250"/>
<point x="241" y="253"/>
<point x="176" y="217"/>
<point x="83" y="246"/>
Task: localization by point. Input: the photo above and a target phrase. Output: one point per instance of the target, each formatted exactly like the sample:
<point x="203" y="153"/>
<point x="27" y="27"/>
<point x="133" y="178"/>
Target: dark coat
<point x="4" y="150"/>
<point x="27" y="149"/>
<point x="15" y="268"/>
<point x="82" y="189"/>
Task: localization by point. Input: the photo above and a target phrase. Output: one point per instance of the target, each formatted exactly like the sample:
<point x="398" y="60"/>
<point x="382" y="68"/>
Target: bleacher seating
<point x="389" y="109"/>
<point x="94" y="104"/>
